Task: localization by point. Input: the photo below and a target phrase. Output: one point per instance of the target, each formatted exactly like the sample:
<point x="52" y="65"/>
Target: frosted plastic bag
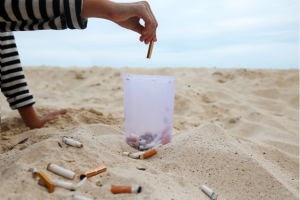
<point x="148" y="110"/>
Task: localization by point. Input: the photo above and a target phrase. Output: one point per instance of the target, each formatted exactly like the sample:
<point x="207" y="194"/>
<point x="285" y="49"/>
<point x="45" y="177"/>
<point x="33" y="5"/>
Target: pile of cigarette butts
<point x="149" y="141"/>
<point x="51" y="184"/>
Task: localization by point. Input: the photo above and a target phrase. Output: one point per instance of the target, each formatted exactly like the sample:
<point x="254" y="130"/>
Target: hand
<point x="32" y="121"/>
<point x="126" y="15"/>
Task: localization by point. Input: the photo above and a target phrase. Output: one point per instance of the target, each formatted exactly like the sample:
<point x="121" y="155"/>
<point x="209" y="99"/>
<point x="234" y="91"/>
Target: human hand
<point x="126" y="15"/>
<point x="32" y="121"/>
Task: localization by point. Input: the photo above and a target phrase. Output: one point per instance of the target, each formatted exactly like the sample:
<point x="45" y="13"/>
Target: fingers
<point x="50" y="116"/>
<point x="149" y="32"/>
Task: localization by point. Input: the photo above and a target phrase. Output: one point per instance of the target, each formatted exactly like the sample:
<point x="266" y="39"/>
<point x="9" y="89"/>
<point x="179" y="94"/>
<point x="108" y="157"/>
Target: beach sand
<point x="234" y="130"/>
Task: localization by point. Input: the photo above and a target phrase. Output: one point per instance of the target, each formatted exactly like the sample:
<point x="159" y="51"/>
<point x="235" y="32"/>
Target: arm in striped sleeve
<point x="26" y="15"/>
<point x="13" y="83"/>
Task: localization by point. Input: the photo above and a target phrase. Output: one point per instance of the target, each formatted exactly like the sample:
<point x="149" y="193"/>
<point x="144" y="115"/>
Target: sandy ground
<point x="234" y="130"/>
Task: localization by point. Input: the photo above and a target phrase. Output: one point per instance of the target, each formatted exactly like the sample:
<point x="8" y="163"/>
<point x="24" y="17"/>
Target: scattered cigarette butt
<point x="77" y="197"/>
<point x="61" y="171"/>
<point x="125" y="189"/>
<point x="134" y="155"/>
<point x="125" y="153"/>
<point x="66" y="185"/>
<point x="148" y="154"/>
<point x="72" y="142"/>
<point x="93" y="172"/>
<point x="59" y="145"/>
<point x="150" y="49"/>
<point x="209" y="192"/>
<point x="141" y="168"/>
<point x="47" y="181"/>
<point x="81" y="182"/>
<point x="33" y="170"/>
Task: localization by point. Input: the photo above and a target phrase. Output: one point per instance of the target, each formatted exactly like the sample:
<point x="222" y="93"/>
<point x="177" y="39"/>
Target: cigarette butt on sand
<point x="72" y="142"/>
<point x="61" y="171"/>
<point x="62" y="184"/>
<point x="148" y="154"/>
<point x="33" y="170"/>
<point x="47" y="181"/>
<point x="151" y="44"/>
<point x="77" y="197"/>
<point x="209" y="192"/>
<point x="93" y="172"/>
<point x="125" y="153"/>
<point x="125" y="189"/>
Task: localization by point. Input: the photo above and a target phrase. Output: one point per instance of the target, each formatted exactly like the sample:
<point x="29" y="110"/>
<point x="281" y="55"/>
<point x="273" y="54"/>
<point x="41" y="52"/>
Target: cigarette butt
<point x="131" y="139"/>
<point x="47" y="181"/>
<point x="66" y="185"/>
<point x="125" y="189"/>
<point x="72" y="142"/>
<point x="134" y="155"/>
<point x="209" y="192"/>
<point x="81" y="182"/>
<point x="61" y="171"/>
<point x="150" y="49"/>
<point x="135" y="144"/>
<point x="134" y="135"/>
<point x="143" y="142"/>
<point x="125" y="153"/>
<point x="77" y="197"/>
<point x="33" y="170"/>
<point x="148" y="154"/>
<point x="93" y="172"/>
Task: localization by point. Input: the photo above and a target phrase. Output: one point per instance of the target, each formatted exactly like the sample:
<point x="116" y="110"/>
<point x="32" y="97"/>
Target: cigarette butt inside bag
<point x="93" y="172"/>
<point x="131" y="139"/>
<point x="148" y="154"/>
<point x="47" y="181"/>
<point x="120" y="189"/>
<point x="150" y="49"/>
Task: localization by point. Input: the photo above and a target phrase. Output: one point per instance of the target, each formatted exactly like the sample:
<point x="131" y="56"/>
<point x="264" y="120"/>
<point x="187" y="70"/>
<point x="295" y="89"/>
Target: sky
<point x="191" y="33"/>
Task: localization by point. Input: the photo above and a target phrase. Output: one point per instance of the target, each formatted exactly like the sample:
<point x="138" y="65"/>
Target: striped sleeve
<point x="13" y="83"/>
<point x="28" y="15"/>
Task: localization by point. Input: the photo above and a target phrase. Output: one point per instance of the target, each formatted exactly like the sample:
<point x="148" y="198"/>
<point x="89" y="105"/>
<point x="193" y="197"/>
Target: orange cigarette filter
<point x="47" y="181"/>
<point x="120" y="189"/>
<point x="150" y="49"/>
<point x="125" y="189"/>
<point x="148" y="154"/>
<point x="93" y="172"/>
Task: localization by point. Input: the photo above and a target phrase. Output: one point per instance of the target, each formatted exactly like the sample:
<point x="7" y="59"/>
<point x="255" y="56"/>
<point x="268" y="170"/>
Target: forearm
<point x="97" y="9"/>
<point x="29" y="117"/>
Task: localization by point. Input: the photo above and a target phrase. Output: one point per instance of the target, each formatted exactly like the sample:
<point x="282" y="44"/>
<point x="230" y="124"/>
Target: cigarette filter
<point x="134" y="155"/>
<point x="93" y="172"/>
<point x="125" y="153"/>
<point x="61" y="171"/>
<point x="66" y="185"/>
<point x="125" y="189"/>
<point x="47" y="181"/>
<point x="209" y="192"/>
<point x="77" y="197"/>
<point x="150" y="49"/>
<point x="148" y="154"/>
<point x="72" y="142"/>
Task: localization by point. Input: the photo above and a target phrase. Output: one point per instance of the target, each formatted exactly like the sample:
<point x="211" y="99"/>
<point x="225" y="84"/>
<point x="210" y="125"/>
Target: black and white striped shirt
<point x="27" y="15"/>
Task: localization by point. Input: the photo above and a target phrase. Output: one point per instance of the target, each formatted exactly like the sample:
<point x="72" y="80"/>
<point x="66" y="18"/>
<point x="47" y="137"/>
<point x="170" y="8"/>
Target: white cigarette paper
<point x="61" y="171"/>
<point x="72" y="142"/>
<point x="209" y="192"/>
<point x="135" y="155"/>
<point x="81" y="182"/>
<point x="77" y="197"/>
<point x="125" y="153"/>
<point x="134" y="189"/>
<point x="143" y="142"/>
<point x="66" y="185"/>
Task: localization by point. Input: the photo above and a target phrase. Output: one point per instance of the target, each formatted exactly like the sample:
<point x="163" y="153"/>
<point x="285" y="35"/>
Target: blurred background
<point x="208" y="33"/>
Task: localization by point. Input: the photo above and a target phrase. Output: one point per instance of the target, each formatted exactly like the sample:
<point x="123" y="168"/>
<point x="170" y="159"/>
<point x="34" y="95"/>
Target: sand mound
<point x="234" y="130"/>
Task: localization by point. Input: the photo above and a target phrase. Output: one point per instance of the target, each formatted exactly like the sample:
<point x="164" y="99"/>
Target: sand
<point x="234" y="130"/>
